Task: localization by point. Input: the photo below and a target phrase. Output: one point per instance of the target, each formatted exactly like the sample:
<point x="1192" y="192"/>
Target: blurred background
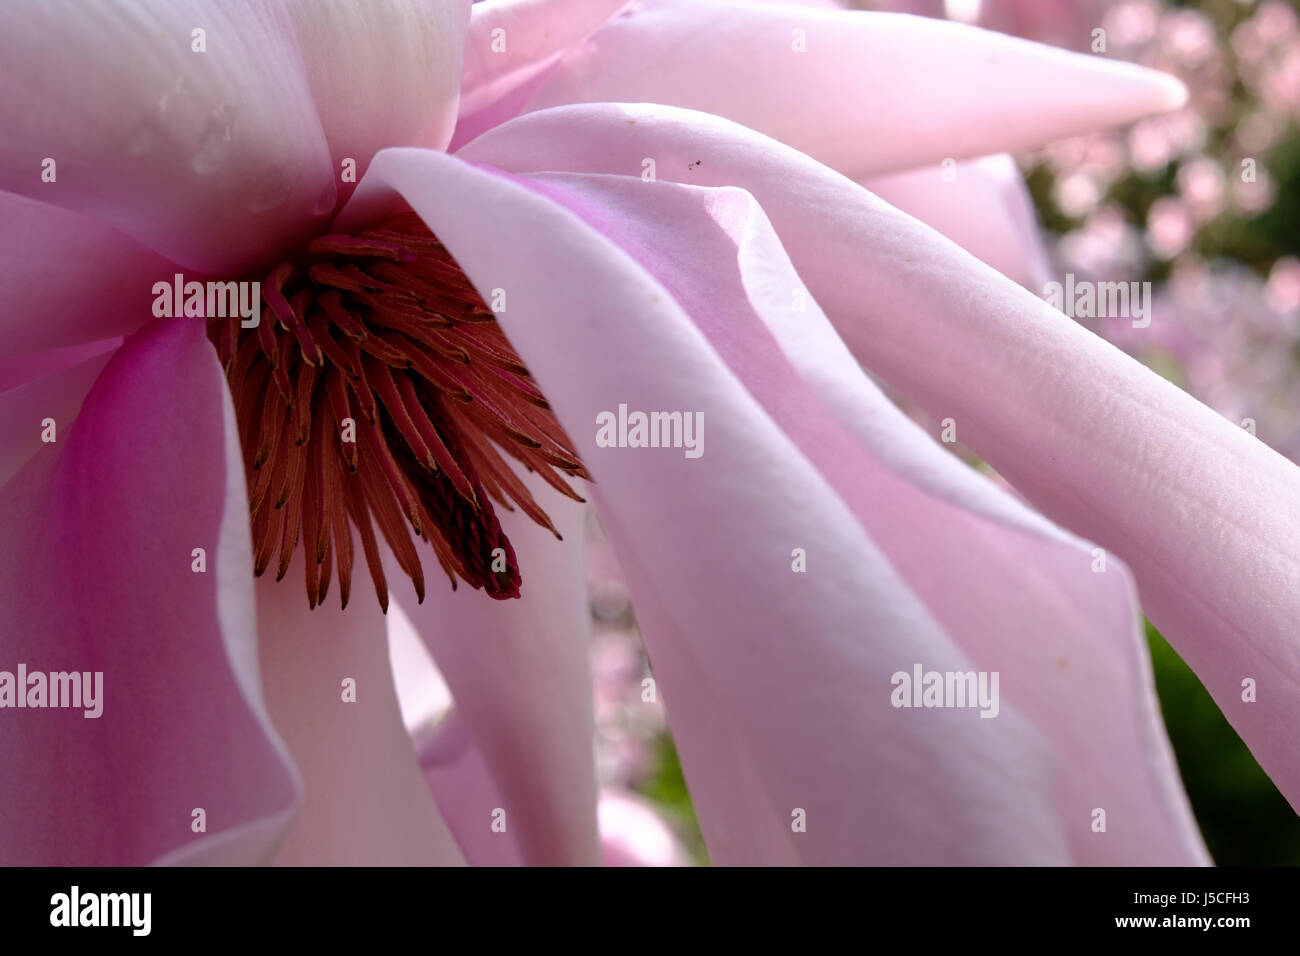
<point x="1203" y="203"/>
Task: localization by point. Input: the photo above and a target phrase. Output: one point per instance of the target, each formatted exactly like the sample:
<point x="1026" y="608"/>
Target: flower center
<point x="378" y="391"/>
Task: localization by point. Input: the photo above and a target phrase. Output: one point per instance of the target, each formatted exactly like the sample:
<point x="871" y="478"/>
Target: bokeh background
<point x="1167" y="200"/>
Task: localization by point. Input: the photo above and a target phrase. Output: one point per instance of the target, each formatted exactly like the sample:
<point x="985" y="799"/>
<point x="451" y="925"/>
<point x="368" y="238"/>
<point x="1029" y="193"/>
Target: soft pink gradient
<point x="673" y="294"/>
<point x="1199" y="509"/>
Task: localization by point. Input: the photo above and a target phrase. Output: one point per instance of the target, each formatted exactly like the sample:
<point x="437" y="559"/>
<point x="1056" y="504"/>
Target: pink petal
<point x="520" y="673"/>
<point x="467" y="796"/>
<point x="853" y="99"/>
<point x="66" y="279"/>
<point x="382" y="73"/>
<point x="24" y="411"/>
<point x="756" y="663"/>
<point x="215" y="159"/>
<point x="98" y="531"/>
<point x="986" y="210"/>
<point x="365" y="800"/>
<point x="1201" y="511"/>
<point x="1067" y="646"/>
<point x="510" y="44"/>
<point x="16" y="373"/>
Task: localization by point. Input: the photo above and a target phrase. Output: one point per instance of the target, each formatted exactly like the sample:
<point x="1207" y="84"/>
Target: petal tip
<point x="1173" y="91"/>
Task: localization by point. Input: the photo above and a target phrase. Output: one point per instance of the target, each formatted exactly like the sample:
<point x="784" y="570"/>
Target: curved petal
<point x="756" y="663"/>
<point x="511" y="43"/>
<point x="66" y="279"/>
<point x="17" y="372"/>
<point x="213" y="157"/>
<point x="24" y="411"/>
<point x="97" y="571"/>
<point x="846" y="87"/>
<point x="382" y="73"/>
<point x="365" y="801"/>
<point x="1016" y="595"/>
<point x="468" y="797"/>
<point x="520" y="673"/>
<point x="986" y="210"/>
<point x="1201" y="511"/>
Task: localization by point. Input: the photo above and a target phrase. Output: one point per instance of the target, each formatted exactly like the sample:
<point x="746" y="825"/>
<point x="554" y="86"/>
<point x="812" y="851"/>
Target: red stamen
<point x="379" y="392"/>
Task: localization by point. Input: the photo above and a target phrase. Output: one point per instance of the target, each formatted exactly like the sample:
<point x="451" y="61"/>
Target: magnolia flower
<point x="664" y="199"/>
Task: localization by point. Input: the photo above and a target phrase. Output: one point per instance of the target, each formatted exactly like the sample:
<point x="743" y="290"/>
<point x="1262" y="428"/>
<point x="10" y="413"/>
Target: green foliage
<point x="1244" y="820"/>
<point x="1275" y="232"/>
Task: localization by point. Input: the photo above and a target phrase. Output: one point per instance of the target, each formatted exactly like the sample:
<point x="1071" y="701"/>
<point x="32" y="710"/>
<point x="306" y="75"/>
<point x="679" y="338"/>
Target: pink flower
<point x="1170" y="227"/>
<point x="744" y="282"/>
